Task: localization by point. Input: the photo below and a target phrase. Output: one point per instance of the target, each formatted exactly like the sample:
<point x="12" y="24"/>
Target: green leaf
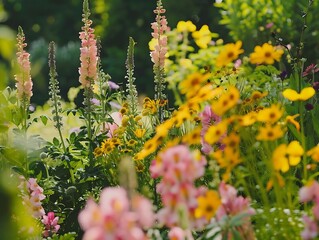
<point x="44" y="119"/>
<point x="56" y="141"/>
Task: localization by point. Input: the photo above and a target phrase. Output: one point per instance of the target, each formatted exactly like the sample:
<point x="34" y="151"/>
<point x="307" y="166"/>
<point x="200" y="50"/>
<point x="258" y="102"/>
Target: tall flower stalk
<point x="24" y="88"/>
<point x="88" y="69"/>
<point x="55" y="101"/>
<point x="158" y="54"/>
<point x="130" y="86"/>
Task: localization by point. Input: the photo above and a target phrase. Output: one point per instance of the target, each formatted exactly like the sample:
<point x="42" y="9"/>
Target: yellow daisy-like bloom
<point x="304" y="95"/>
<point x="207" y="205"/>
<point x="227" y="101"/>
<point x="314" y="153"/>
<point x="131" y="143"/>
<point x="270" y="133"/>
<point x="228" y="159"/>
<point x="149" y="106"/>
<point x="183" y="26"/>
<point x="265" y="54"/>
<point x="231" y="141"/>
<point x="140" y="132"/>
<point x="193" y="137"/>
<point x="215" y="132"/>
<point x="247" y="119"/>
<point x="192" y="83"/>
<point x="285" y="156"/>
<point x="229" y="53"/>
<point x="270" y="115"/>
<point x="107" y="146"/>
<point x="98" y="152"/>
<point x="256" y="95"/>
<point x="203" y="36"/>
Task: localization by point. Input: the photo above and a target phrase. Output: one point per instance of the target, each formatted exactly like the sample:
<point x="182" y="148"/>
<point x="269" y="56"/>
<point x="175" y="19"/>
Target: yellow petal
<point x="291" y="94"/>
<point x="307" y="93"/>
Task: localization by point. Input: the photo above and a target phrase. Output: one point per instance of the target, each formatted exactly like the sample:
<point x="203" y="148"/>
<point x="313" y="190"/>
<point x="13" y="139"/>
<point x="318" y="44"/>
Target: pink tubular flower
<point x="23" y="77"/>
<point x="159" y="28"/>
<point x="179" y="168"/>
<point x="88" y="57"/>
<point x="32" y="195"/>
<point x="51" y="224"/>
<point x="310" y="192"/>
<point x="113" y="218"/>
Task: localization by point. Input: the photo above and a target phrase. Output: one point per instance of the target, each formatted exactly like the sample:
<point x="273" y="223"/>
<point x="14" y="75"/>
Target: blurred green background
<point x="115" y="20"/>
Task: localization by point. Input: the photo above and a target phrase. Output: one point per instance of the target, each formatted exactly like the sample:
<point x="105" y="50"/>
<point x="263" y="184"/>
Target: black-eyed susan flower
<point x="193" y="137"/>
<point x="131" y="143"/>
<point x="304" y="95"/>
<point x="231" y="141"/>
<point x="215" y="132"/>
<point x="207" y="205"/>
<point x="247" y="119"/>
<point x="192" y="83"/>
<point x="226" y="101"/>
<point x="266" y="54"/>
<point x="271" y="114"/>
<point x="227" y="159"/>
<point x="229" y="53"/>
<point x="270" y="132"/>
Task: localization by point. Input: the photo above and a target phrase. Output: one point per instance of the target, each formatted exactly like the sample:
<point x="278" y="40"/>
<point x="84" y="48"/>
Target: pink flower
<point x="51" y="224"/>
<point x="208" y="117"/>
<point x="309" y="193"/>
<point x="311" y="229"/>
<point x="23" y="77"/>
<point x="115" y="217"/>
<point x="111" y="127"/>
<point x="159" y="28"/>
<point x="88" y="57"/>
<point x="312" y="68"/>
<point x="179" y="168"/>
<point x="176" y="233"/>
<point x="113" y="85"/>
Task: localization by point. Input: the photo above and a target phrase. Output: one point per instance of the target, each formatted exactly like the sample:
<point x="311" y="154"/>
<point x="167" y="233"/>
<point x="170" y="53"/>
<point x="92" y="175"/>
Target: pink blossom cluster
<point x="51" y="224"/>
<point x="232" y="205"/>
<point x="32" y="196"/>
<point x="310" y="193"/>
<point x="23" y="77"/>
<point x="208" y="117"/>
<point x="179" y="168"/>
<point x="159" y="28"/>
<point x="116" y="217"/>
<point x="88" y="57"/>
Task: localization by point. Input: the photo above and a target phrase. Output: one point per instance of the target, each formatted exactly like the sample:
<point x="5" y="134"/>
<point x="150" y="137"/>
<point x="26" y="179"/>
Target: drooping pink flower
<point x="116" y="217"/>
<point x="89" y="56"/>
<point x="312" y="68"/>
<point x="51" y="224"/>
<point x="23" y="77"/>
<point x="159" y="28"/>
<point x="111" y="127"/>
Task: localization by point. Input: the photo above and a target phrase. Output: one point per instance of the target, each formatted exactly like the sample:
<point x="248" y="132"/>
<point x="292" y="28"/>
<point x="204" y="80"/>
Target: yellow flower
<point x="227" y="101"/>
<point x="140" y="132"/>
<point x="183" y="26"/>
<point x="203" y="36"/>
<point x="193" y="83"/>
<point x="257" y="95"/>
<point x="304" y="95"/>
<point x="270" y="115"/>
<point x="291" y="119"/>
<point x="107" y="146"/>
<point x="270" y="133"/>
<point x="285" y="156"/>
<point x="228" y="159"/>
<point x="231" y="141"/>
<point x="207" y="205"/>
<point x="230" y="53"/>
<point x="131" y="143"/>
<point x="248" y="119"/>
<point x="215" y="132"/>
<point x="193" y="137"/>
<point x="265" y="54"/>
<point x="98" y="152"/>
<point x="314" y="153"/>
